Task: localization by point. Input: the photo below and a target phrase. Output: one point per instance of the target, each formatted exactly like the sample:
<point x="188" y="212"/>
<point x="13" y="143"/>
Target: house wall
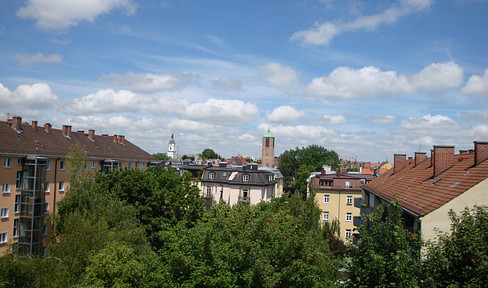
<point x="231" y="193"/>
<point x="477" y="195"/>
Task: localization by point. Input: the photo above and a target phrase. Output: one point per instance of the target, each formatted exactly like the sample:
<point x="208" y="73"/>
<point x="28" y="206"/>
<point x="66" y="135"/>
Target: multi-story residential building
<point x="338" y="195"/>
<point x="244" y="184"/>
<point x="427" y="188"/>
<point x="33" y="172"/>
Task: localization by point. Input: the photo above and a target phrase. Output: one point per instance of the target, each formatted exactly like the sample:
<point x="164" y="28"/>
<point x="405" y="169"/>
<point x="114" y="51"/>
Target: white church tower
<point x="171" y="147"/>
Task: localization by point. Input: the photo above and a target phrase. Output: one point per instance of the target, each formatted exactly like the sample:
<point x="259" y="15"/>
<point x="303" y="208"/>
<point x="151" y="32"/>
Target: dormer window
<point x="245" y="178"/>
<point x="271" y="178"/>
<point x="211" y="175"/>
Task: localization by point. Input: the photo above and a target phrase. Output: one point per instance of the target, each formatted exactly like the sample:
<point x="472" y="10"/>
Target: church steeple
<point x="267" y="158"/>
<point x="171" y="146"/>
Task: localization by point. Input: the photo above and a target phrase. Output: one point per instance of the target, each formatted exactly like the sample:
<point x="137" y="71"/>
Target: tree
<point x="192" y="158"/>
<point x="386" y="254"/>
<point x="296" y="165"/>
<point x="460" y="258"/>
<point x="161" y="156"/>
<point x="210" y="154"/>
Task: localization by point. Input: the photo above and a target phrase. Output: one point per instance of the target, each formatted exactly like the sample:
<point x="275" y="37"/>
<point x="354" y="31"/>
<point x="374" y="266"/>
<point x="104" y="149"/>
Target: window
<point x="363" y="181"/>
<point x="61" y="186"/>
<point x="349" y="200"/>
<point x="129" y="165"/>
<point x="348" y="233"/>
<point x="48" y="166"/>
<point x="6" y="188"/>
<point x="137" y="165"/>
<point x="19" y="161"/>
<point x="142" y="165"/>
<point x="3" y="237"/>
<point x="245" y="178"/>
<point x="211" y="175"/>
<point x="348" y="217"/>
<point x="18" y="180"/>
<point x="324" y="182"/>
<point x="86" y="165"/>
<point x="62" y="165"/>
<point x="7" y="163"/>
<point x="326" y="199"/>
<point x="46" y="208"/>
<point x="15" y="231"/>
<point x="17" y="204"/>
<point x="48" y="187"/>
<point x="348" y="184"/>
<point x="325" y="215"/>
<point x="209" y="191"/>
<point x="245" y="193"/>
<point x="4" y="213"/>
<point x="44" y="230"/>
<point x="93" y="164"/>
<point x="43" y="251"/>
<point x="224" y="174"/>
<point x="271" y="178"/>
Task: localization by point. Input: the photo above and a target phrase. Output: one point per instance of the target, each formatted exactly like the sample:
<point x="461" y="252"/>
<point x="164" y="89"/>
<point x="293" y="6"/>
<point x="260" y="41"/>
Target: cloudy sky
<point x="365" y="78"/>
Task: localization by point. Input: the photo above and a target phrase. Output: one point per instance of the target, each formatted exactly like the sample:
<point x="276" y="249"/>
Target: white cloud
<point x="438" y="77"/>
<point x="478" y="116"/>
<point x="144" y="83"/>
<point x="36" y="96"/>
<point x="31" y="59"/>
<point x="381" y="119"/>
<point x="105" y="101"/>
<point x="279" y="76"/>
<point x="477" y="85"/>
<point x="222" y="112"/>
<point x="193" y="126"/>
<point x="298" y="132"/>
<point x="284" y="114"/>
<point x="348" y="83"/>
<point x="432" y="125"/>
<point x="322" y="34"/>
<point x="226" y="84"/>
<point x="60" y="14"/>
<point x="333" y="119"/>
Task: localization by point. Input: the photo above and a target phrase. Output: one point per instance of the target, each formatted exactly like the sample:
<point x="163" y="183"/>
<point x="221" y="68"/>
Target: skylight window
<point x="455" y="184"/>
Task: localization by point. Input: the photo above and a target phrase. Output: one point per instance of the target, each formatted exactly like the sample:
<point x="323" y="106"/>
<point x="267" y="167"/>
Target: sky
<point x="366" y="79"/>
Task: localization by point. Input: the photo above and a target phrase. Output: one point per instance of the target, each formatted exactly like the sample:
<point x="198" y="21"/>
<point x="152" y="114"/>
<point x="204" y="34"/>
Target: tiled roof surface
<point x="37" y="141"/>
<point x="419" y="192"/>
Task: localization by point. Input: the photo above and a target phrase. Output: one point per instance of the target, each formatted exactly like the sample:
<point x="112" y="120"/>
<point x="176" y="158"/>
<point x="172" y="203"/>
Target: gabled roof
<point x="421" y="193"/>
<point x="37" y="141"/>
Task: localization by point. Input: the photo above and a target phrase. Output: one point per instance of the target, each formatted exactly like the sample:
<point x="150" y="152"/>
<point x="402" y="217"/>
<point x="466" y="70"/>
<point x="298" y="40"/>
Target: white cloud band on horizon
<point x="144" y="83"/>
<point x="31" y="59"/>
<point x="284" y="114"/>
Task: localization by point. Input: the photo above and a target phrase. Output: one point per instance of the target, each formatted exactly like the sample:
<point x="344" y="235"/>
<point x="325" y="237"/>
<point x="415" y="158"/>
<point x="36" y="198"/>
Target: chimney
<point x="420" y="157"/>
<point x="399" y="162"/>
<point x="443" y="158"/>
<point x="91" y="134"/>
<point x="34" y="124"/>
<point x="80" y="131"/>
<point x="480" y="151"/>
<point x="121" y="139"/>
<point x="16" y="121"/>
<point x="48" y="127"/>
<point x="67" y="131"/>
<point x="115" y="138"/>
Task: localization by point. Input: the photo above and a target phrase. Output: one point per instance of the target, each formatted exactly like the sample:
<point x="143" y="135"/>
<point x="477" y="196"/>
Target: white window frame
<point x="348" y="233"/>
<point x="61" y="186"/>
<point x="348" y="217"/>
<point x="142" y="165"/>
<point x="348" y="184"/>
<point x="17" y="204"/>
<point x="245" y="178"/>
<point x="18" y="180"/>
<point x="15" y="229"/>
<point x="211" y="175"/>
<point x="46" y="208"/>
<point x="3" y="237"/>
<point x="129" y="165"/>
<point x="349" y="200"/>
<point x="7" y="163"/>
<point x="4" y="213"/>
<point x="6" y="188"/>
<point x="325" y="215"/>
<point x="245" y="191"/>
<point x="326" y="199"/>
<point x="93" y="165"/>
<point x="209" y="191"/>
<point x="19" y="161"/>
<point x="62" y="165"/>
<point x="86" y="165"/>
<point x="48" y="165"/>
<point x="45" y="230"/>
<point x="48" y="187"/>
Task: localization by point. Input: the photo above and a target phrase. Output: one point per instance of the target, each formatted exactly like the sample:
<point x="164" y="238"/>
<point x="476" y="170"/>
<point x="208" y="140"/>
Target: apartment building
<point x="33" y="173"/>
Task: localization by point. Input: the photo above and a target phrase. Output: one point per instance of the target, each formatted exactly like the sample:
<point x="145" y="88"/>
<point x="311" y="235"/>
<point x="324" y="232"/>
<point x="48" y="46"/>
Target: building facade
<point x="428" y="187"/>
<point x="33" y="173"/>
<point x="267" y="158"/>
<point x="234" y="185"/>
<point x="338" y="195"/>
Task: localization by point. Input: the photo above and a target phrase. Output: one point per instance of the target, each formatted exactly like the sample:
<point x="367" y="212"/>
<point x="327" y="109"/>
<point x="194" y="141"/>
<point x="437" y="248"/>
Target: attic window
<point x="455" y="184"/>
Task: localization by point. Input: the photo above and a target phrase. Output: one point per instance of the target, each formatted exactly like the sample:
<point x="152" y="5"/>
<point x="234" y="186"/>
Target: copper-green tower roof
<point x="268" y="135"/>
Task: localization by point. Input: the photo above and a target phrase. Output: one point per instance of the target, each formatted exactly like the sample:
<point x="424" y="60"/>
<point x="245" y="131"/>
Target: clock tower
<point x="267" y="159"/>
<point x="171" y="146"/>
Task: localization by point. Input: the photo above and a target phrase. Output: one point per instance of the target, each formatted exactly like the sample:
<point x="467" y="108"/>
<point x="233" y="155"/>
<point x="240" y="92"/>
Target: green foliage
<point x="386" y="254"/>
<point x="296" y="165"/>
<point x="76" y="167"/>
<point x="268" y="245"/>
<point x="460" y="258"/>
<point x="210" y="154"/>
<point x="161" y="156"/>
<point x="192" y="158"/>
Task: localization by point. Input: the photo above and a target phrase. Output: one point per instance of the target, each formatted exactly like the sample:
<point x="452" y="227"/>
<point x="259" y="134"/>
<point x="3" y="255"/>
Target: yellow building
<point x="338" y="196"/>
<point x="46" y="149"/>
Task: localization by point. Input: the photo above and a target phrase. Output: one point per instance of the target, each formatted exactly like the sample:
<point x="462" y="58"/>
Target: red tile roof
<point x="37" y="141"/>
<point x="421" y="193"/>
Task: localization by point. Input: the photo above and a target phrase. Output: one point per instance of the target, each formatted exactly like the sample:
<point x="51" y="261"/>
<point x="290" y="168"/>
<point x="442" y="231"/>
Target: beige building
<point x="44" y="149"/>
<point x="338" y="195"/>
<point x="427" y="188"/>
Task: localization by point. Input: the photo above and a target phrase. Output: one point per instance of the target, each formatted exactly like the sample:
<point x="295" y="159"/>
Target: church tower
<point x="267" y="159"/>
<point x="171" y="147"/>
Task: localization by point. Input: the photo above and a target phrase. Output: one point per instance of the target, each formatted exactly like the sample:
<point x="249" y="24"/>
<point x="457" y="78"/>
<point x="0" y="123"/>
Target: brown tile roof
<point x="421" y="193"/>
<point x="37" y="141"/>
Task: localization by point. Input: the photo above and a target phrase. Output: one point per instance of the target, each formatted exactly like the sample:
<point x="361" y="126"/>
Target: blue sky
<point x="365" y="78"/>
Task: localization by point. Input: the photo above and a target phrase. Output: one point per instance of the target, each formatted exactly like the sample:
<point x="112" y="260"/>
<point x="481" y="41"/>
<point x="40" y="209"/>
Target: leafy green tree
<point x="161" y="156"/>
<point x="460" y="258"/>
<point x="192" y="158"/>
<point x="386" y="254"/>
<point x="209" y="154"/>
<point x="296" y="165"/>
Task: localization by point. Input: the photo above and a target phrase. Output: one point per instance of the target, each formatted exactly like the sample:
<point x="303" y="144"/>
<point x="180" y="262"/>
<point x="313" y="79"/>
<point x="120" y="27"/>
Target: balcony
<point x="243" y="199"/>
